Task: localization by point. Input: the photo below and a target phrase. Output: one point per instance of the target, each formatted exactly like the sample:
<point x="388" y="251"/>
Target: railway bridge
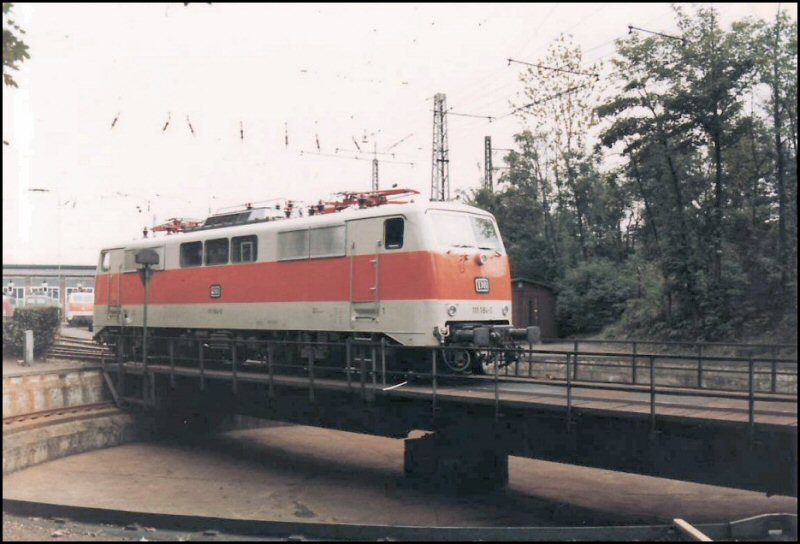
<point x="460" y="429"/>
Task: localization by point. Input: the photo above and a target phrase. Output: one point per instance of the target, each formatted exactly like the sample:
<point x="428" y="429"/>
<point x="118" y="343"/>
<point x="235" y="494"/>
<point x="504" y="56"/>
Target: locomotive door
<point x="113" y="265"/>
<point x="364" y="241"/>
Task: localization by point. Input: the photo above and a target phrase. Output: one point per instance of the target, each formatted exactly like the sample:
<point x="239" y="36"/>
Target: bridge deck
<point x="770" y="410"/>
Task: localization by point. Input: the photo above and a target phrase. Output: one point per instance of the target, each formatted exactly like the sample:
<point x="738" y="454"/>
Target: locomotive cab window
<point x="191" y="254"/>
<point x="244" y="249"/>
<point x="217" y="251"/>
<point x="393" y="230"/>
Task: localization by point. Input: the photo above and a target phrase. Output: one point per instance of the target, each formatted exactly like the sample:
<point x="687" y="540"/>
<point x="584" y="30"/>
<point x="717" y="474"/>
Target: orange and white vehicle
<point x="418" y="274"/>
<point x="80" y="308"/>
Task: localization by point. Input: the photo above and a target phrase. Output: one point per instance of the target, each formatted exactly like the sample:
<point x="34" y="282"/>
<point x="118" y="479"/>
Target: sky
<point x="246" y="77"/>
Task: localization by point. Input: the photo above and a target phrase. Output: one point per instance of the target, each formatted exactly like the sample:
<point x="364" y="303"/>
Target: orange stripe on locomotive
<point x="403" y="276"/>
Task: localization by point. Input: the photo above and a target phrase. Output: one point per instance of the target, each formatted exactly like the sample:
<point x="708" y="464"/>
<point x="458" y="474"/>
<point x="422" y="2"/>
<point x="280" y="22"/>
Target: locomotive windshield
<point x="465" y="230"/>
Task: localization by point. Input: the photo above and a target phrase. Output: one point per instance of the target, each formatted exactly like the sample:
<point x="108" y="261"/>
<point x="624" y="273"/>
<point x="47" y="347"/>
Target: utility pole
<point x="440" y="176"/>
<point x="375" y="166"/>
<point x="375" y="174"/>
<point x="487" y="153"/>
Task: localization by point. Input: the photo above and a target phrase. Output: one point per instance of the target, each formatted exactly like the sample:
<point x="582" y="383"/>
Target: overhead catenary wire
<point x="492" y="118"/>
<point x="359" y="151"/>
<point x="463" y="112"/>
<point x="330" y="155"/>
<point x="553" y="68"/>
<point x="399" y="142"/>
<point x="631" y="28"/>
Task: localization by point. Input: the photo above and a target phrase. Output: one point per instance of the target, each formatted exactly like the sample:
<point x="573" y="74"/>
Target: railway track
<point x="58" y="415"/>
<point x="75" y="348"/>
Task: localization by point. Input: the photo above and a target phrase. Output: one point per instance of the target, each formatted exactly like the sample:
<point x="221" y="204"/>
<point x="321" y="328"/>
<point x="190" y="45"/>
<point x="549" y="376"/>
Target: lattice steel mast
<point x="440" y="177"/>
<point x="487" y="176"/>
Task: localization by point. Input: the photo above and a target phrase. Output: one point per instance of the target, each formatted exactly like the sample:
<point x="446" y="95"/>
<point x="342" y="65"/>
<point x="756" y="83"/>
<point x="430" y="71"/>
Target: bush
<point x="44" y="322"/>
<point x="645" y="314"/>
<point x="591" y="296"/>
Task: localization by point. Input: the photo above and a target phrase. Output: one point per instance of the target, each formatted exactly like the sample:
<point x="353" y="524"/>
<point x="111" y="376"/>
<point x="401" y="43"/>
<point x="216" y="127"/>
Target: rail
<point x="20" y="422"/>
<point x="763" y="527"/>
<point x="361" y="367"/>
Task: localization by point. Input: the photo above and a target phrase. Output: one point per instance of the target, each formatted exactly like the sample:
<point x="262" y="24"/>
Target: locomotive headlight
<point x="451" y="310"/>
<point x="480" y="259"/>
<point x="505" y="310"/>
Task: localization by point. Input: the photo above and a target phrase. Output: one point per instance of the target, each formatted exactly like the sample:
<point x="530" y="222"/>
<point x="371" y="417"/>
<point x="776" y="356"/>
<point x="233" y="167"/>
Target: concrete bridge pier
<point x="455" y="462"/>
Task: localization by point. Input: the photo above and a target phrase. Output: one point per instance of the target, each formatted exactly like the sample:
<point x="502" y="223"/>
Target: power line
<point x="592" y="14"/>
<point x="534" y="103"/>
<point x="545" y="99"/>
<point x="631" y="28"/>
<point x="399" y="142"/>
<point x="565" y="70"/>
<point x="304" y="152"/>
<point x="489" y="117"/>
<point x="359" y="151"/>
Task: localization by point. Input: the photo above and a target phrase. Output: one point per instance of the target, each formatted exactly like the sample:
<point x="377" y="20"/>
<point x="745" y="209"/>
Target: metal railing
<point x="362" y="367"/>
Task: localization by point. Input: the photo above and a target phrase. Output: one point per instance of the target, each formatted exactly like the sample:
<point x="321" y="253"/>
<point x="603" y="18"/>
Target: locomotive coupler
<point x="487" y="335"/>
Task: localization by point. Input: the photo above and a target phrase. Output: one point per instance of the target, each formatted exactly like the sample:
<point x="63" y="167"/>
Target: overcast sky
<point x="342" y="72"/>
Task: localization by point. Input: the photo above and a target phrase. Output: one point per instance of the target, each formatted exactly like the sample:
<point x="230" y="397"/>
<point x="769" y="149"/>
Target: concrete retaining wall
<point x="26" y="448"/>
<point x="34" y="392"/>
<point x="28" y="392"/>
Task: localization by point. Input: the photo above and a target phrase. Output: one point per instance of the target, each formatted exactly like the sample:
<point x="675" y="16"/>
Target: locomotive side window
<point x="393" y="233"/>
<point x="129" y="260"/>
<point x="217" y="251"/>
<point x="244" y="249"/>
<point x="191" y="254"/>
<point x="293" y="245"/>
<point x="327" y="242"/>
<point x="105" y="261"/>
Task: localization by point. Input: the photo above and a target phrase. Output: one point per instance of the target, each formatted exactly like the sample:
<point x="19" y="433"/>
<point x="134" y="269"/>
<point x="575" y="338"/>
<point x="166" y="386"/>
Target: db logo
<point x="481" y="285"/>
<point x="216" y="291"/>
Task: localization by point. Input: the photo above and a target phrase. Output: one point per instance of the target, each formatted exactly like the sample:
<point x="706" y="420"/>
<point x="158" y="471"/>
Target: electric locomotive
<point x="417" y="274"/>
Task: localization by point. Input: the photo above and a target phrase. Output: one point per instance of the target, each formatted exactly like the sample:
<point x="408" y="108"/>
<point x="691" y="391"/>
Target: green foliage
<point x="43" y="321"/>
<point x="591" y="296"/>
<point x="14" y="49"/>
<point x="689" y="189"/>
<point x="646" y="312"/>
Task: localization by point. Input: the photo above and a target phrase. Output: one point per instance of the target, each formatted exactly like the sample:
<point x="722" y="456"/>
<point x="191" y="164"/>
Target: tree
<point x="712" y="72"/>
<point x="14" y="49"/>
<point x="558" y="94"/>
<point x="680" y="220"/>
<point x="775" y="49"/>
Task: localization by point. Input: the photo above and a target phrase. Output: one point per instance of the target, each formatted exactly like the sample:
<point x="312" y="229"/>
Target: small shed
<point x="534" y="303"/>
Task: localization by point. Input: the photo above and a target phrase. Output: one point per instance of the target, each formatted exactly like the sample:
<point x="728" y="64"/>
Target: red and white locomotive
<point x="420" y="274"/>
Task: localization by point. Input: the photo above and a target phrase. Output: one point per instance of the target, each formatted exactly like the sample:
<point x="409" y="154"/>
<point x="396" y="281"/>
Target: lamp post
<point x="58" y="219"/>
<point x="146" y="258"/>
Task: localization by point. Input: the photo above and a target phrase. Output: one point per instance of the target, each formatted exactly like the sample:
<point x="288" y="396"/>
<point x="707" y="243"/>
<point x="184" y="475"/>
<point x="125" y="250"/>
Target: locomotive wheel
<point x="457" y="360"/>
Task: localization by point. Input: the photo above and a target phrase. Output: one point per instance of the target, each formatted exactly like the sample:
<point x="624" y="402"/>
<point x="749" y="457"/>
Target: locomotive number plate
<point x="216" y="290"/>
<point x="481" y="285"/>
